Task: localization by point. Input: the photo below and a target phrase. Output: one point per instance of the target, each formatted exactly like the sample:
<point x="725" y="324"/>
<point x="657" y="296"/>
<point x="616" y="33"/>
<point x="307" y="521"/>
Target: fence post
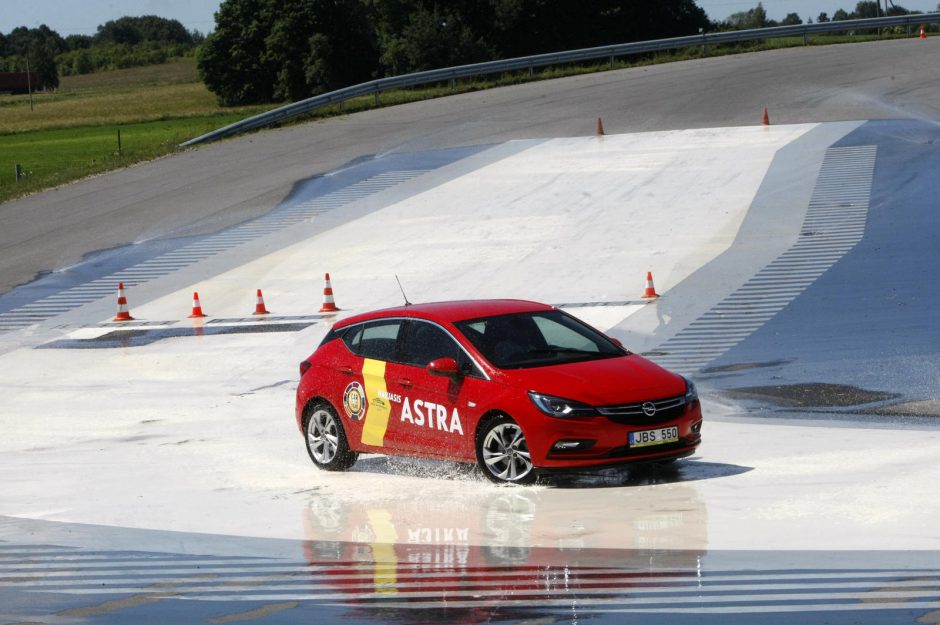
<point x="119" y="141"/>
<point x="376" y="97"/>
<point x="18" y="171"/>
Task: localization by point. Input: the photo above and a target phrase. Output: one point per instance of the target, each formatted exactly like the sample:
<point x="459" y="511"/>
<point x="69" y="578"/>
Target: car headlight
<point x="560" y="407"/>
<point x="691" y="393"/>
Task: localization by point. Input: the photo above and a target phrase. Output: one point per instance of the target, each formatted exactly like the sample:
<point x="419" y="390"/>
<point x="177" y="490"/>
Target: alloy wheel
<point x="322" y="436"/>
<point x="505" y="453"/>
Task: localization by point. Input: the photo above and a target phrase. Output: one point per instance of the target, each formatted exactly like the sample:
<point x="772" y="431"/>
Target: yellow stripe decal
<point x="383" y="551"/>
<point x="376" y="420"/>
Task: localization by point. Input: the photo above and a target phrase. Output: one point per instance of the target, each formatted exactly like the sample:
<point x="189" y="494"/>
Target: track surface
<point x="206" y="189"/>
<point x="776" y="520"/>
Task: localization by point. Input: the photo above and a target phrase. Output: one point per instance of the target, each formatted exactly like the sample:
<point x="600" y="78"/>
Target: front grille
<point x="633" y="414"/>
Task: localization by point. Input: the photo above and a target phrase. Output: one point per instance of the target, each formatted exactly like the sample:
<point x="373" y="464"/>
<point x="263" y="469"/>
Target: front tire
<point x="326" y="439"/>
<point x="503" y="454"/>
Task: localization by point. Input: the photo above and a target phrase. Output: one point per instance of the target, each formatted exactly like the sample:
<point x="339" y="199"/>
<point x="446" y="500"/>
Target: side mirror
<point x="443" y="367"/>
<point x="616" y="342"/>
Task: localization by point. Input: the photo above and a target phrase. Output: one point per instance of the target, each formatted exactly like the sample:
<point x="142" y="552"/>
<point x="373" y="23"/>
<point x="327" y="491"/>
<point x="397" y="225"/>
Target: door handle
<point x="405" y="382"/>
<point x="347" y="370"/>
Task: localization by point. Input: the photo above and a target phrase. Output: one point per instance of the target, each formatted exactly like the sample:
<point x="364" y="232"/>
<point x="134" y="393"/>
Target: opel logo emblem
<point x="649" y="409"/>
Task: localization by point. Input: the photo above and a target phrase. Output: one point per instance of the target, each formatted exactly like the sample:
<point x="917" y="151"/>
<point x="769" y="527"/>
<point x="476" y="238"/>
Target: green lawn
<point x="57" y="156"/>
<point x="72" y="133"/>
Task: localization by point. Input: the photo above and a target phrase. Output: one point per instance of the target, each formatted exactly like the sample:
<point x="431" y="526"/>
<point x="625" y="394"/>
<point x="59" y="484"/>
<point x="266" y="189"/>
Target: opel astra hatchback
<point x="517" y="387"/>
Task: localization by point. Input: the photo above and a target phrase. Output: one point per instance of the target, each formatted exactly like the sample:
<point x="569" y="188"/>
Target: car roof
<point x="450" y="311"/>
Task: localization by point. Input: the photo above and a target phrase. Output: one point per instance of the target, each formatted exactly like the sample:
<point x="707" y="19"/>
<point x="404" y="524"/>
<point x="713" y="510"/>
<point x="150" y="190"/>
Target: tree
<point x="752" y="18"/>
<point x="434" y="37"/>
<point x="840" y="15"/>
<point x="343" y="50"/>
<point x="78" y="42"/>
<point x="265" y="50"/>
<point x="523" y="27"/>
<point x="232" y="61"/>
<point x="866" y="9"/>
<point x="822" y="18"/>
<point x="792" y="19"/>
<point x="40" y="45"/>
<point x="134" y="30"/>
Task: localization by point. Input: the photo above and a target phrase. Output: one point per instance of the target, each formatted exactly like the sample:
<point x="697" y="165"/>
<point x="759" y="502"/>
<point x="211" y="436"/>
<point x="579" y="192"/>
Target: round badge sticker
<point x="354" y="401"/>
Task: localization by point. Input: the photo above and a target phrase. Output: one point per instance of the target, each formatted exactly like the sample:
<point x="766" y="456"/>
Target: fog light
<point x="697" y="427"/>
<point x="572" y="445"/>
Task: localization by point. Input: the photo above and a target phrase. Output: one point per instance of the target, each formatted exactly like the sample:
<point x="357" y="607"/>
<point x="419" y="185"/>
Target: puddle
<point x="744" y="366"/>
<point x="812" y="394"/>
<point x="922" y="408"/>
<point x="140" y="337"/>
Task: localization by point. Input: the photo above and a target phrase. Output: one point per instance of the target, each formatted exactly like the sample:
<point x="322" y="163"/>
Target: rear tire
<point x="503" y="454"/>
<point x="326" y="439"/>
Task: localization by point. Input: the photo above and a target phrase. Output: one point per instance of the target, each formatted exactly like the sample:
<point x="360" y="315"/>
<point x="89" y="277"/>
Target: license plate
<point x="654" y="437"/>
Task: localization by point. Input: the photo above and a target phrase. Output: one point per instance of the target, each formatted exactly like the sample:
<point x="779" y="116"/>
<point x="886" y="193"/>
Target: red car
<point x="517" y="387"/>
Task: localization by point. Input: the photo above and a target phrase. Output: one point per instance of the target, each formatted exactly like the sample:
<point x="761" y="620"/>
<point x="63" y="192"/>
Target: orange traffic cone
<point x="123" y="314"/>
<point x="650" y="292"/>
<point x="197" y="307"/>
<point x="923" y="33"/>
<point x="328" y="304"/>
<point x="259" y="305"/>
<point x="600" y="127"/>
<point x="766" y="120"/>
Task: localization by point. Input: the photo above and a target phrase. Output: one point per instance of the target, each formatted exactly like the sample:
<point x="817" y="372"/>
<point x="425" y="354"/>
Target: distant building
<point x="16" y="82"/>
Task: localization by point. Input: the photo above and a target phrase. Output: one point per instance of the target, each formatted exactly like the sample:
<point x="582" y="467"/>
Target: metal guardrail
<point x="375" y="87"/>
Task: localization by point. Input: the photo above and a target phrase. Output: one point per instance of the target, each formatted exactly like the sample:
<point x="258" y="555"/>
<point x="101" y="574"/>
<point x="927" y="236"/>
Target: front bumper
<point x="674" y="454"/>
<point x="620" y="455"/>
<point x="605" y="441"/>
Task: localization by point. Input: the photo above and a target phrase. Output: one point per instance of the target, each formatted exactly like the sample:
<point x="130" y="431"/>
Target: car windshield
<point x="537" y="339"/>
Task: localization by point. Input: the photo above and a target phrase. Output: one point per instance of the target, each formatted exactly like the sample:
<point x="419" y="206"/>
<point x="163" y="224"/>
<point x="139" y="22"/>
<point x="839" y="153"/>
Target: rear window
<point x="377" y="340"/>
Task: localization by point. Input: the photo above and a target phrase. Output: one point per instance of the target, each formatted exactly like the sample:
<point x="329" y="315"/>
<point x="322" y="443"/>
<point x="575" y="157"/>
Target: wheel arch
<point x="484" y="420"/>
<point x="312" y="403"/>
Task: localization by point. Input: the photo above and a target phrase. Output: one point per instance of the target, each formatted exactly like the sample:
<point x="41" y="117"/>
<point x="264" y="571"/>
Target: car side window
<point x="377" y="340"/>
<point x="426" y="342"/>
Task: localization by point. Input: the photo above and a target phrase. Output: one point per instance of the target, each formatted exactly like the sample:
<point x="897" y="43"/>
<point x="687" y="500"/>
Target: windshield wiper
<point x="552" y="349"/>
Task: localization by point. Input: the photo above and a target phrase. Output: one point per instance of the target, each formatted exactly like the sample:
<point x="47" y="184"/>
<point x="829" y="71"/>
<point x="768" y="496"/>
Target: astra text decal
<point x="432" y="415"/>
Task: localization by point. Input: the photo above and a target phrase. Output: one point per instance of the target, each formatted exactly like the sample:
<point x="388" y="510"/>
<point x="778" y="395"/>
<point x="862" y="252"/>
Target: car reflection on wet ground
<point x="398" y="571"/>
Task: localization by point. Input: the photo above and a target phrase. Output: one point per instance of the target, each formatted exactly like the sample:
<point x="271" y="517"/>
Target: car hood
<point x="605" y="382"/>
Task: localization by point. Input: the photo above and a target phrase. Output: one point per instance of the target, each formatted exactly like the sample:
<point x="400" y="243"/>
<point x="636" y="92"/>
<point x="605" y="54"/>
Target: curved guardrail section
<point x="553" y="58"/>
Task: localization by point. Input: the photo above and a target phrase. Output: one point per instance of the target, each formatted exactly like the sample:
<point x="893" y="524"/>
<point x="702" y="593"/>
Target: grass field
<point x="72" y="133"/>
<point x="49" y="158"/>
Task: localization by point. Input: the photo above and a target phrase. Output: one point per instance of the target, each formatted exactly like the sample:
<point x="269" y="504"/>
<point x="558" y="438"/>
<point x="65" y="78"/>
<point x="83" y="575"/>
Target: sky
<point x="82" y="17"/>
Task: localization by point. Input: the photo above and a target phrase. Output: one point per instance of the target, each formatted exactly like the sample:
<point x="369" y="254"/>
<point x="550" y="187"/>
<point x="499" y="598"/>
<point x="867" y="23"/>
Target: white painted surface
<point x="569" y="220"/>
